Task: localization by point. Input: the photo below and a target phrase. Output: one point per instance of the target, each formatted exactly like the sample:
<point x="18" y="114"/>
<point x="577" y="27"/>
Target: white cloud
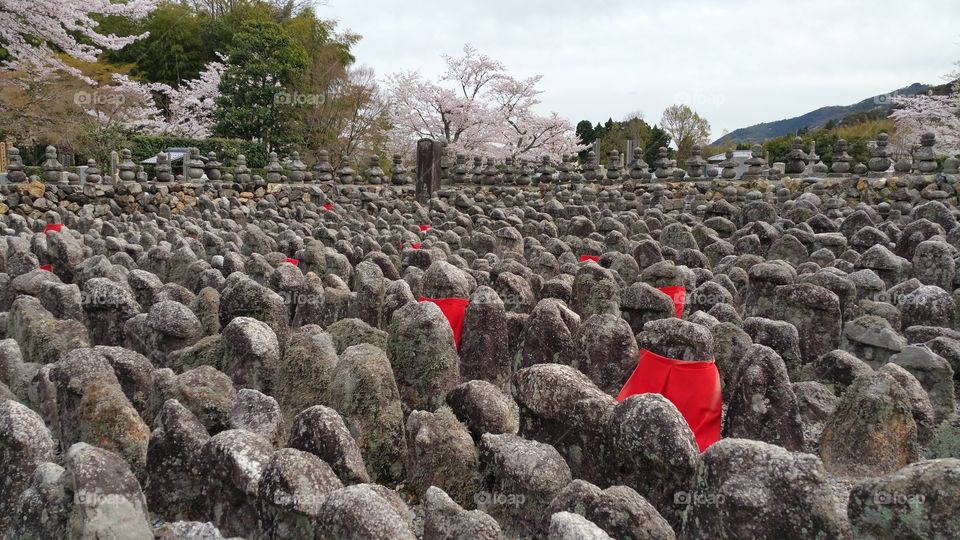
<point x="739" y="63"/>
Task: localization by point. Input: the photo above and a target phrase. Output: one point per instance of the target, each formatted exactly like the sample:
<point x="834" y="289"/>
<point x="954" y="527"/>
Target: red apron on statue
<point x="678" y="294"/>
<point x="693" y="387"/>
<point x="594" y="258"/>
<point x="455" y="310"/>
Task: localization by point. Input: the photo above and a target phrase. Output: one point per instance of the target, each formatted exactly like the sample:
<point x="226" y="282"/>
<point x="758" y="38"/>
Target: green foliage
<point x="857" y="129"/>
<point x="143" y="147"/>
<point x="614" y="135"/>
<point x="658" y="137"/>
<point x="176" y="48"/>
<point x="264" y="64"/>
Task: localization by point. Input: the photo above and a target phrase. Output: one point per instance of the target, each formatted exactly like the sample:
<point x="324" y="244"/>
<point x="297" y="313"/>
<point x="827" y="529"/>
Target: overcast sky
<point x="736" y="63"/>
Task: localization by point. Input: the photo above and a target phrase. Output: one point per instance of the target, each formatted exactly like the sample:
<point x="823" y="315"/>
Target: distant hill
<point x="759" y="133"/>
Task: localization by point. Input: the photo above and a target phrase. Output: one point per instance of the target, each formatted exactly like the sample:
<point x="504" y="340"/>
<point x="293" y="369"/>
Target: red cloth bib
<point x="47" y="267"/>
<point x="295" y="262"/>
<point x="694" y="387"/>
<point x="55" y="227"/>
<point x="454" y="309"/>
<point x="425" y="228"/>
<point x="594" y="258"/>
<point x="328" y="207"/>
<point x="678" y="294"/>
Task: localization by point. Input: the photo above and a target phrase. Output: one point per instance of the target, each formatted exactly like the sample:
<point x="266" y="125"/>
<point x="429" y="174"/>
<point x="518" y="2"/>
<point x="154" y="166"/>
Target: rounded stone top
<point x="883" y="137"/>
<point x="728" y="154"/>
<point x="323" y="153"/>
<point x="211" y="155"/>
<point x="125" y="153"/>
<point x="697" y="149"/>
<point x="543" y="159"/>
<point x="397" y="158"/>
<point x="928" y="139"/>
<point x="273" y="155"/>
<point x="375" y="160"/>
<point x="797" y="142"/>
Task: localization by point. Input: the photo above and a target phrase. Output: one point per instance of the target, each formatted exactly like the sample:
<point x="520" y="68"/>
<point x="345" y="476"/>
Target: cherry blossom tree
<point x="936" y="113"/>
<point x="31" y="30"/>
<point x="476" y="107"/>
<point x="157" y="108"/>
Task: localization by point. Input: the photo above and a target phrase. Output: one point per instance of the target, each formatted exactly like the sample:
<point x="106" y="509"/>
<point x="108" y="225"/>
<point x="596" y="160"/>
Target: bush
<point x="227" y="150"/>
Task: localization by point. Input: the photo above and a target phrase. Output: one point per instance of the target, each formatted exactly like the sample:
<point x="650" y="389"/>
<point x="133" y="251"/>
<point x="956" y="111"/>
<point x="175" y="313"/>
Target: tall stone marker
<point x="429" y="153"/>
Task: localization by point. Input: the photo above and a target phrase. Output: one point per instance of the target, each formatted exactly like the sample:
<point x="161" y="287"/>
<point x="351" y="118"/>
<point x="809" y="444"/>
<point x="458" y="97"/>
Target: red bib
<point x="47" y="267"/>
<point x="425" y="228"/>
<point x="594" y="258"/>
<point x="693" y="387"/>
<point x="328" y="207"/>
<point x="55" y="227"/>
<point x="295" y="262"/>
<point x="678" y="294"/>
<point x="454" y="309"/>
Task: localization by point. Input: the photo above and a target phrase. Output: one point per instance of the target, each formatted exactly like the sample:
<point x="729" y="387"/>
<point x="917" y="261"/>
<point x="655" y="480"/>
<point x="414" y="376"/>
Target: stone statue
<point x="576" y="178"/>
<point x="273" y="169"/>
<point x="546" y="171"/>
<point x="796" y="159"/>
<point x="841" y="159"/>
<point x="15" y="166"/>
<point x="476" y="173"/>
<point x="639" y="170"/>
<point x="755" y="163"/>
<point x="444" y="165"/>
<point x="729" y="166"/>
<point x="374" y="174"/>
<point x="614" y="166"/>
<point x="163" y="171"/>
<point x="490" y="173"/>
<point x="398" y="173"/>
<point x="298" y="169"/>
<point x="590" y="167"/>
<point x="242" y="173"/>
<point x="52" y="168"/>
<point x="460" y="171"/>
<point x="195" y="165"/>
<point x="663" y="164"/>
<point x="212" y="167"/>
<point x="508" y="171"/>
<point x="696" y="163"/>
<point x="322" y="170"/>
<point x="523" y="178"/>
<point x="126" y="167"/>
<point x="879" y="158"/>
<point x="925" y="159"/>
<point x="563" y="169"/>
<point x="94" y="175"/>
<point x="345" y="172"/>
